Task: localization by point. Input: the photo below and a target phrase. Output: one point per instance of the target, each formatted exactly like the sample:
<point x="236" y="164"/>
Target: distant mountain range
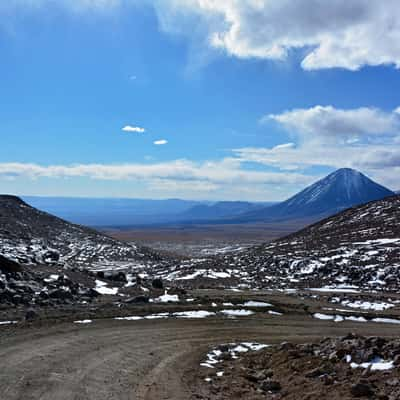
<point x="222" y="209"/>
<point x="341" y="189"/>
<point x="112" y="211"/>
<point x="103" y="212"/>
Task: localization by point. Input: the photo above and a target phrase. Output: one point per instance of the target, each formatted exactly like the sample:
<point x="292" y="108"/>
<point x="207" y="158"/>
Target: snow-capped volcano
<point x="339" y="190"/>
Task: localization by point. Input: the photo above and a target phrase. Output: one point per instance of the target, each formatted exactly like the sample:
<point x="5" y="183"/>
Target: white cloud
<point x="364" y="138"/>
<point x="327" y="121"/>
<point x="284" y="146"/>
<point x="334" y="33"/>
<point x="160" y="142"/>
<point x="137" y="129"/>
<point x="222" y="176"/>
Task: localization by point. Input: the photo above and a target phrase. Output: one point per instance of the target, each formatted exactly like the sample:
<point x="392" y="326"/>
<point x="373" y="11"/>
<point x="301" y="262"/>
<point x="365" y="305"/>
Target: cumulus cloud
<point x="334" y="33"/>
<point x="160" y="142"/>
<point x="340" y="124"/>
<point x="137" y="129"/>
<point x="364" y="138"/>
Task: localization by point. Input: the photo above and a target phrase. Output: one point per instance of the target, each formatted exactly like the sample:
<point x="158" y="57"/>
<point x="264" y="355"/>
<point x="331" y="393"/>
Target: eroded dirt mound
<point x="350" y="367"/>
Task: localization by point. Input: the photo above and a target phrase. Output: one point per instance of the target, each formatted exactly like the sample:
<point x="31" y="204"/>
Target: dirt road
<point x="141" y="360"/>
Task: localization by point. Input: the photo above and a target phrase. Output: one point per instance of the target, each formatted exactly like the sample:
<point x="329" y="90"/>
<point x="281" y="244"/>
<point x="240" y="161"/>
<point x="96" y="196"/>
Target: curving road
<point x="141" y="360"/>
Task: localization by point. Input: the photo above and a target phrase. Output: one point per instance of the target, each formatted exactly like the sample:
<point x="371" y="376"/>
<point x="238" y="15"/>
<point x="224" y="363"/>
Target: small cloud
<point x="284" y="146"/>
<point x="137" y="129"/>
<point x="160" y="142"/>
<point x="133" y="78"/>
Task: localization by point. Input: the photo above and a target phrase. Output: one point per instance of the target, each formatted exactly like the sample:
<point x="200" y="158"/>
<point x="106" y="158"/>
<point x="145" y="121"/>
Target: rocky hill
<point x="358" y="248"/>
<point x="29" y="236"/>
<point x="45" y="260"/>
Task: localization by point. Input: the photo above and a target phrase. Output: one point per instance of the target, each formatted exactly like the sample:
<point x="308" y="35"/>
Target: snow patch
<point x="237" y="313"/>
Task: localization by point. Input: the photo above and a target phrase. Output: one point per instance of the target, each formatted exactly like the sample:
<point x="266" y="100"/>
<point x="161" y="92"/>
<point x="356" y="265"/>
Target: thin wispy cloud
<point x="134" y="129"/>
<point x="224" y="171"/>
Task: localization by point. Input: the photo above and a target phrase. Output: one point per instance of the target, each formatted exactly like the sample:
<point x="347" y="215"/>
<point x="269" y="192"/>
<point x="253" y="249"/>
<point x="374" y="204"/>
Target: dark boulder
<point x="9" y="266"/>
<point x="362" y="389"/>
<point x="157" y="283"/>
<point x="31" y="314"/>
<point x="137" y="300"/>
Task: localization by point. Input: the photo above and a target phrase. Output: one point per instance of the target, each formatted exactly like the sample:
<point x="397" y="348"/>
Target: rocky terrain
<point x="357" y="249"/>
<point x="32" y="237"/>
<point x="46" y="261"/>
<point x="213" y="327"/>
<point x="348" y="367"/>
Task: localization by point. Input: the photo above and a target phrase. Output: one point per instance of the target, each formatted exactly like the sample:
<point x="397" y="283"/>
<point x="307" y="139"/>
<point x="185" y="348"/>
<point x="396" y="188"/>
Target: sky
<point x="196" y="99"/>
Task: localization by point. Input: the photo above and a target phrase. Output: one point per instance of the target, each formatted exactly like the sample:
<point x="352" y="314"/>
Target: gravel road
<point x="141" y="360"/>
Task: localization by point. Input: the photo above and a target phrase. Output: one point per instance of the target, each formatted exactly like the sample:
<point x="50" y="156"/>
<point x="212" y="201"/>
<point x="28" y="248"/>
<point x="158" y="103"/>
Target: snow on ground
<point x="324" y="317"/>
<point x="193" y="314"/>
<point x="157" y="316"/>
<point x="131" y="318"/>
<point x="218" y="354"/>
<point x="340" y="318"/>
<point x="52" y="278"/>
<point x="366" y="305"/>
<point x="237" y="313"/>
<point x="335" y="289"/>
<point x="8" y="322"/>
<point x="101" y="287"/>
<point x="355" y="319"/>
<point x="386" y="320"/>
<point x="166" y="298"/>
<point x="83" y="321"/>
<point x="377" y="364"/>
<point x="271" y="312"/>
<point x="183" y="314"/>
<point x="252" y="303"/>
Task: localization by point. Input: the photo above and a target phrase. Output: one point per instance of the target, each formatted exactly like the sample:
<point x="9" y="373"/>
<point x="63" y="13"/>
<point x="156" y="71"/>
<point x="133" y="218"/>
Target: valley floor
<point x="159" y="358"/>
<point x="203" y="240"/>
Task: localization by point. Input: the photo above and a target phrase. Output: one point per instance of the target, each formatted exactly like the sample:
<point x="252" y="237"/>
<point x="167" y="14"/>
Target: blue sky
<point x="239" y="111"/>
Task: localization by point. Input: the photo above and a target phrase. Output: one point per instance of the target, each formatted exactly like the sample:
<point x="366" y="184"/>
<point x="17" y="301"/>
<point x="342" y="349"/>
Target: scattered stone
<point x="361" y="389"/>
